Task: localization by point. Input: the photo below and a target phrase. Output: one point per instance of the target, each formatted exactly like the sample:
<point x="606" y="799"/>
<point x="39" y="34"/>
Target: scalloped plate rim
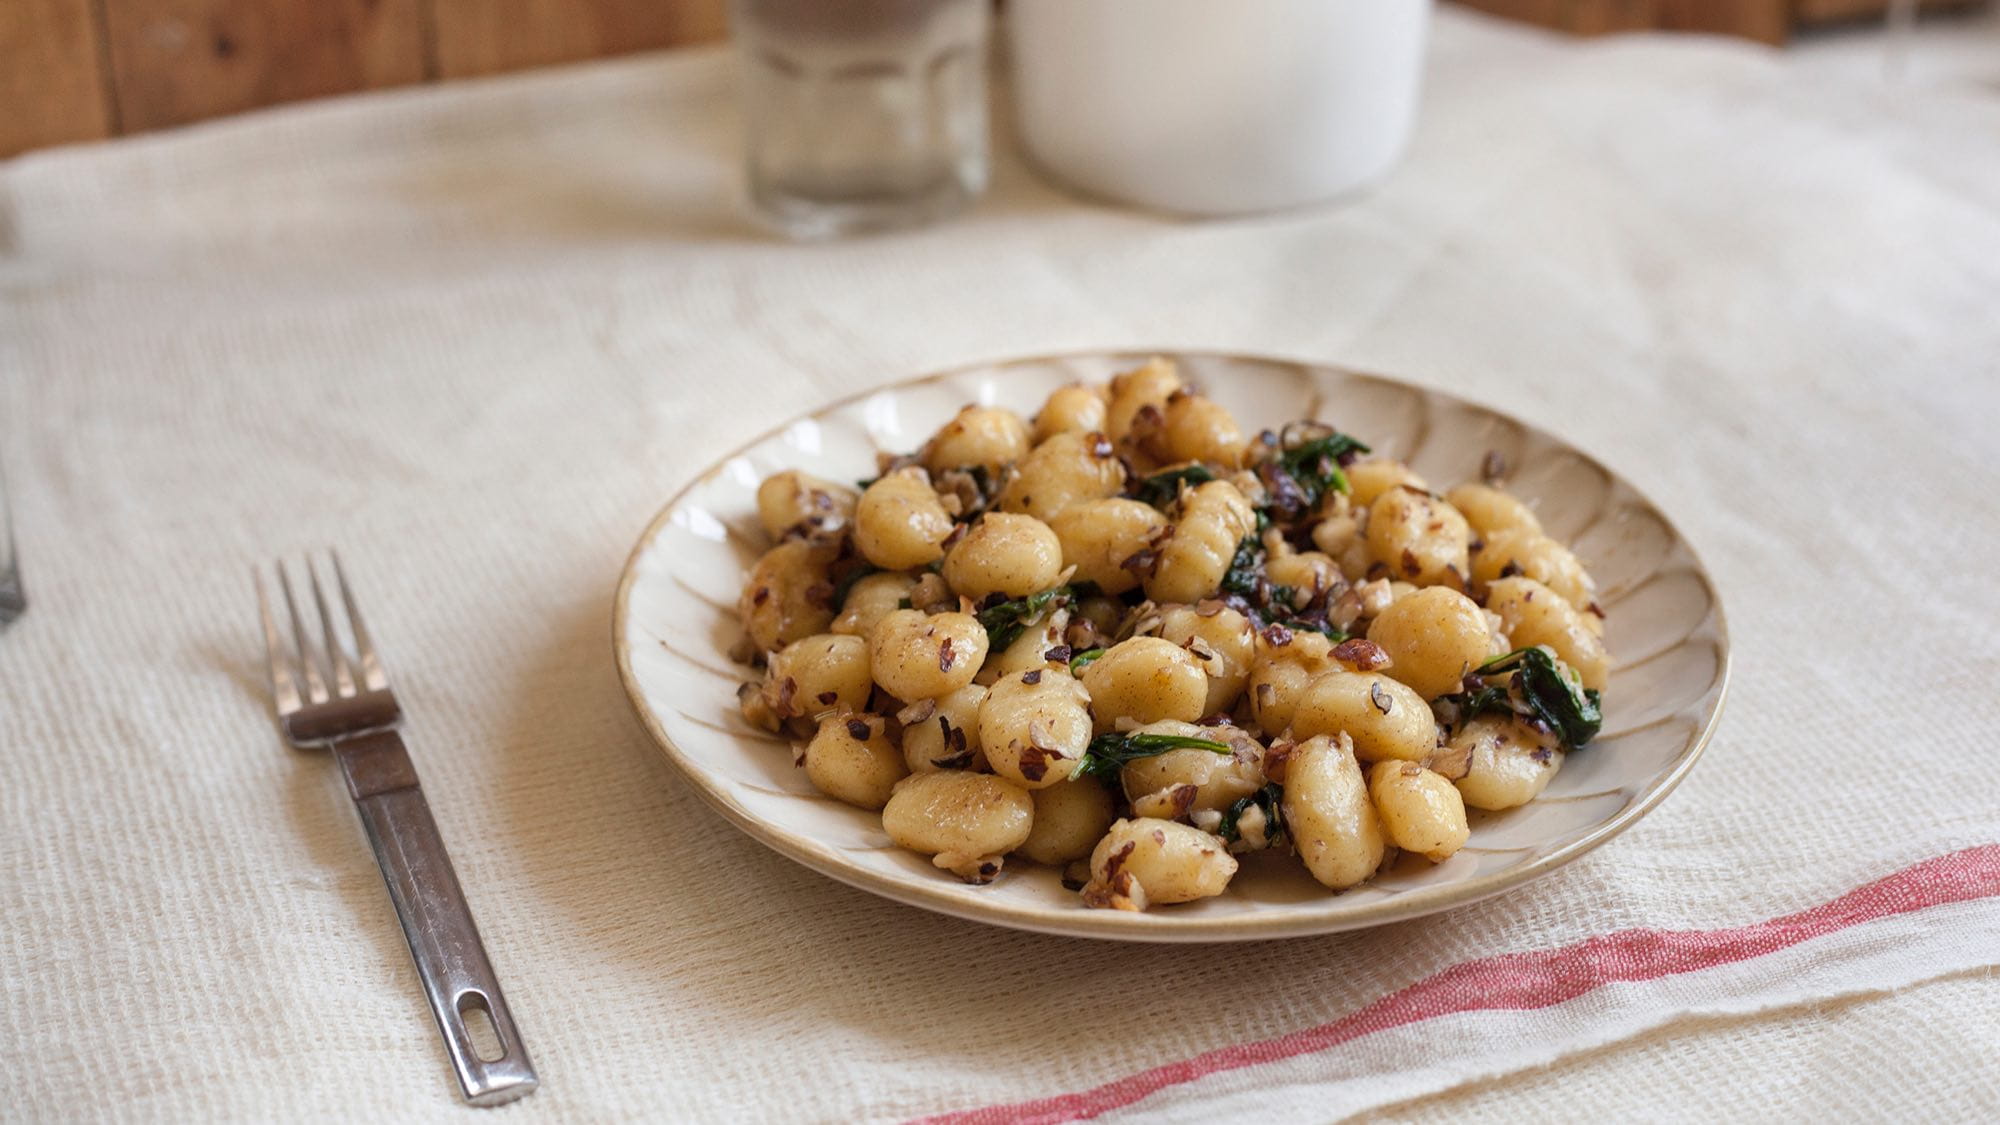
<point x="1160" y="926"/>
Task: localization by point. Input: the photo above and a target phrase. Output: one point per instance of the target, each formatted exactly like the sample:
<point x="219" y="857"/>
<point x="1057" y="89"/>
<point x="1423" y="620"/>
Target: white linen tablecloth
<point x="476" y="335"/>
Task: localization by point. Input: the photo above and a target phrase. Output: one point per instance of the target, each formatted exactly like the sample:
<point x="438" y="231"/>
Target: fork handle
<point x="445" y="944"/>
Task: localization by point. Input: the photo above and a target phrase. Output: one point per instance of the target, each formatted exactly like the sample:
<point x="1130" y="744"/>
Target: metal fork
<point x="346" y="705"/>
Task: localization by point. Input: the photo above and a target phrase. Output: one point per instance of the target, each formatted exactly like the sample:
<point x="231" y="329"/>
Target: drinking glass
<point x="862" y="114"/>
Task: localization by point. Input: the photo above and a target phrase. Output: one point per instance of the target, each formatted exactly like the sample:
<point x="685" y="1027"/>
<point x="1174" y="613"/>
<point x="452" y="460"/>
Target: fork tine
<point x="336" y="654"/>
<point x="372" y="676"/>
<point x="308" y="664"/>
<point x="283" y="689"/>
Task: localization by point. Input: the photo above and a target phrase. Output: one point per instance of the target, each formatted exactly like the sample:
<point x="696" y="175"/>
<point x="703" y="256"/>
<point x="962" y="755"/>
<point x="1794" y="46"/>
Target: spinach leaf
<point x="1004" y="623"/>
<point x="1243" y="576"/>
<point x="1541" y="690"/>
<point x="1492" y="697"/>
<point x="1082" y="659"/>
<point x="1308" y="625"/>
<point x="1315" y="465"/>
<point x="1263" y="602"/>
<point x="1270" y="801"/>
<point x="1108" y="753"/>
<point x="1160" y="489"/>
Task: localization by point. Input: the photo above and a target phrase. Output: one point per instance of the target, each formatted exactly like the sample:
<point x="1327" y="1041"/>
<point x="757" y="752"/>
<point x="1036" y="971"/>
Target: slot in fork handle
<point x="436" y="920"/>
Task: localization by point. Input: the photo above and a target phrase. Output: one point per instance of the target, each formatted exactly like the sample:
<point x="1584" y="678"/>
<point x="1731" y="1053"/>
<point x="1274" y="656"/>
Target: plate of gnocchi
<point x="1177" y="647"/>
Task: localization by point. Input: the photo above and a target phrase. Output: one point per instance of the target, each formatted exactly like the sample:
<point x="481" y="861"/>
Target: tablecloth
<point x="476" y="335"/>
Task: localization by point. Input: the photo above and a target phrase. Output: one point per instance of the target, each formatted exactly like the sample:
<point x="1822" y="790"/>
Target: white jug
<point x="1215" y="107"/>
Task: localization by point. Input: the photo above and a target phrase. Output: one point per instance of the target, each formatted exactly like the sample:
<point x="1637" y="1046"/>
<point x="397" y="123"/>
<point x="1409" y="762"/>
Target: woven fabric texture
<point x="476" y="335"/>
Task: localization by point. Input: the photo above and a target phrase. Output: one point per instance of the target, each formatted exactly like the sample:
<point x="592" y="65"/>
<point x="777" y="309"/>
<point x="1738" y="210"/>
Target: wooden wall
<point x="73" y="70"/>
<point x="1767" y="21"/>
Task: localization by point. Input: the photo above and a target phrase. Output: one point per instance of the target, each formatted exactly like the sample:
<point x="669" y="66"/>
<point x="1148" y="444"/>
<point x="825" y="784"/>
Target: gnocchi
<point x="1196" y="428"/>
<point x="871" y="598"/>
<point x="787" y="596"/>
<point x="1200" y="545"/>
<point x="851" y="759"/>
<point x="1433" y="637"/>
<point x="1419" y="538"/>
<point x="1329" y="814"/>
<point x="1100" y="537"/>
<point x="985" y="436"/>
<point x="899" y="521"/>
<point x="1222" y="639"/>
<point x="1069" y="819"/>
<point x="1419" y="810"/>
<point x="1145" y="679"/>
<point x="794" y="501"/>
<point x="1035" y="727"/>
<point x="914" y="655"/>
<point x="1148" y="860"/>
<point x="1384" y="717"/>
<point x="1145" y="388"/>
<point x="828" y="672"/>
<point x="1066" y="469"/>
<point x="1119" y="636"/>
<point x="943" y="733"/>
<point x="1529" y="553"/>
<point x="1075" y="409"/>
<point x="1506" y="763"/>
<point x="1004" y="553"/>
<point x="967" y="822"/>
<point x="1492" y="511"/>
<point x="1532" y="614"/>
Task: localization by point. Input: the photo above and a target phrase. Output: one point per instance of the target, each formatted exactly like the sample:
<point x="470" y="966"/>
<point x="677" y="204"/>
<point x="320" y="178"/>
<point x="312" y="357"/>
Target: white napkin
<point x="475" y="335"/>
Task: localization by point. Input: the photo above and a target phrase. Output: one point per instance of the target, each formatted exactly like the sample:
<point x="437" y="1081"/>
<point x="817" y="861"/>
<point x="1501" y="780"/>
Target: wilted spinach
<point x="1270" y="800"/>
<point x="1108" y="753"/>
<point x="1004" y="623"/>
<point x="1160" y="489"/>
<point x="1540" y="690"/>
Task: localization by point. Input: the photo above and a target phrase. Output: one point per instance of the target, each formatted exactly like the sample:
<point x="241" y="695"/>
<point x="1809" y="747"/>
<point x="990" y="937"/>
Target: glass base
<point x="818" y="218"/>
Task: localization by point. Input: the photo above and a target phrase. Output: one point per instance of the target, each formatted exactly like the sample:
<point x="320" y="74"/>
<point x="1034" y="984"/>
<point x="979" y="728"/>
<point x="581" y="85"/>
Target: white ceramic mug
<point x="1216" y="107"/>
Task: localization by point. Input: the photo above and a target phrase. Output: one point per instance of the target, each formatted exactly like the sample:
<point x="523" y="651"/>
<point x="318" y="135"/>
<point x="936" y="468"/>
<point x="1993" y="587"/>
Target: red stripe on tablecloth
<point x="1537" y="979"/>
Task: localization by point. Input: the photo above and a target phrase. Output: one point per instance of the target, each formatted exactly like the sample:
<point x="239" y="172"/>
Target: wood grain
<point x="1764" y="20"/>
<point x="52" y="85"/>
<point x="490" y="36"/>
<point x="174" y="61"/>
<point x="1578" y="17"/>
<point x="1840" y="11"/>
<point x="81" y="69"/>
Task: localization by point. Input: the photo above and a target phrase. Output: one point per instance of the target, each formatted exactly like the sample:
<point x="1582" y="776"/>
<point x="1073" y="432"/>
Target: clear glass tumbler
<point x="862" y="114"/>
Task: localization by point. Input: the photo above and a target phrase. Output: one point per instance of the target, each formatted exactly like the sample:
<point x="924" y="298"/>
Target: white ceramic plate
<point x="676" y="619"/>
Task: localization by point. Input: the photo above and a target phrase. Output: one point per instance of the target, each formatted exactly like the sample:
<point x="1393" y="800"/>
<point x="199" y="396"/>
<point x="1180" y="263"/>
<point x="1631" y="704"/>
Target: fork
<point x="347" y="706"/>
<point x="13" y="602"/>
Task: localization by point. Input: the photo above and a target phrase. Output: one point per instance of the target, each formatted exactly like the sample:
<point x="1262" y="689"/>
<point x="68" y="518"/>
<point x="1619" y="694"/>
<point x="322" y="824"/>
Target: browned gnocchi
<point x="1120" y="636"/>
